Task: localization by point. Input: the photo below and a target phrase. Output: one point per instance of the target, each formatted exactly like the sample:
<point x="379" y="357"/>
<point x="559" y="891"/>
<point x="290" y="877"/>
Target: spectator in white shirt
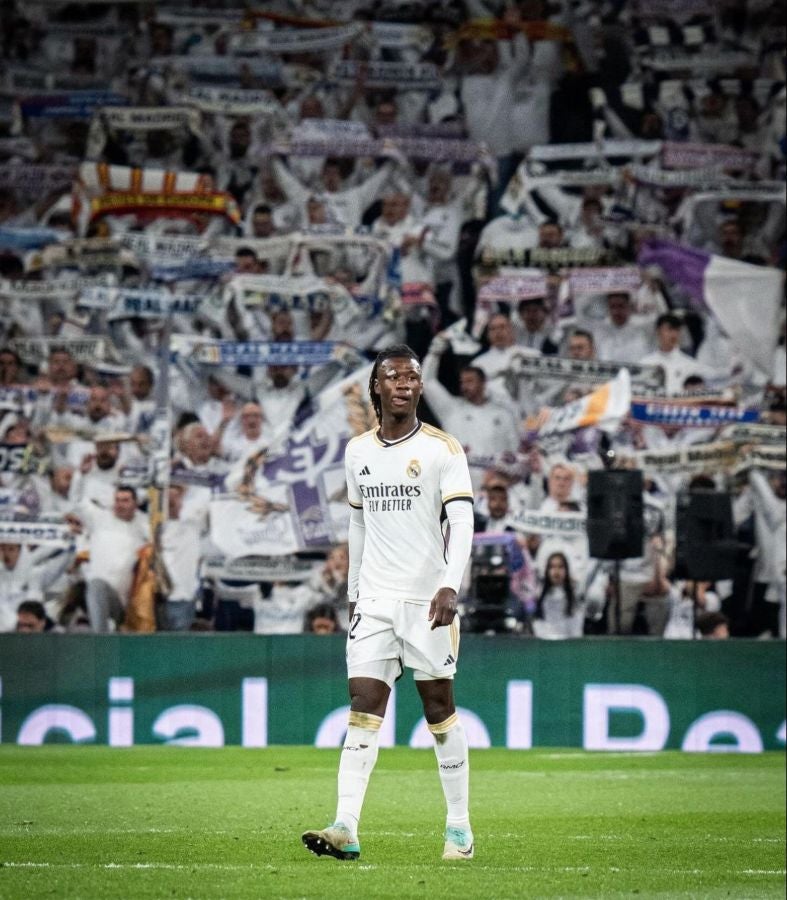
<point x="261" y="221"/>
<point x="491" y="71"/>
<point x="561" y="488"/>
<point x="498" y="505"/>
<point x="19" y="581"/>
<point x="181" y="549"/>
<point x="589" y="230"/>
<point x="196" y="453"/>
<point x="218" y="405"/>
<point x="765" y="497"/>
<point x="252" y="436"/>
<point x="581" y="345"/>
<point x="551" y="235"/>
<point x="97" y="476"/>
<point x="397" y="225"/>
<point x="677" y="365"/>
<point x="141" y="382"/>
<point x="114" y="537"/>
<point x="506" y="235"/>
<point x="620" y="338"/>
<point x="60" y="377"/>
<point x="575" y="548"/>
<point x="502" y="349"/>
<point x="485" y="428"/>
<point x="53" y="490"/>
<point x="99" y="418"/>
<point x="345" y="205"/>
<point x="281" y="391"/>
<point x="560" y="612"/>
<point x="533" y="329"/>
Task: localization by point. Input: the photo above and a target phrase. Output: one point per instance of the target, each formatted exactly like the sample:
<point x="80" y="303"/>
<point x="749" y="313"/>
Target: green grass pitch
<point x="172" y="822"/>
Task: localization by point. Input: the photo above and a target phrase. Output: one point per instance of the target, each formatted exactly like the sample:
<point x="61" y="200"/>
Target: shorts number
<point x="356" y="620"/>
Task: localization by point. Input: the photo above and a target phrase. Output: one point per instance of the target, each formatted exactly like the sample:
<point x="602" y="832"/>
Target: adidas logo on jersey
<point x="364" y="471"/>
<point x="450" y="661"/>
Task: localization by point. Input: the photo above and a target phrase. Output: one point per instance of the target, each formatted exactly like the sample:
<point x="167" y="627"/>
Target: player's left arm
<point x="460" y="543"/>
<point x="457" y="495"/>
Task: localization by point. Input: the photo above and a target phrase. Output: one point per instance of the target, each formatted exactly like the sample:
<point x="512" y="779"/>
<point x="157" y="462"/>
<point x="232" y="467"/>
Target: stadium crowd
<point x="212" y="216"/>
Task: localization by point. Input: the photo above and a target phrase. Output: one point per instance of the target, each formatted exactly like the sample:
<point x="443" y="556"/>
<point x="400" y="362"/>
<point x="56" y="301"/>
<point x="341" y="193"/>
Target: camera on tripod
<point x="491" y="606"/>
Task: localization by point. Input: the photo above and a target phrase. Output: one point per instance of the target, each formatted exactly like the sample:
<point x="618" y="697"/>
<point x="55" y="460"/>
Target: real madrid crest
<point x="414" y="469"/>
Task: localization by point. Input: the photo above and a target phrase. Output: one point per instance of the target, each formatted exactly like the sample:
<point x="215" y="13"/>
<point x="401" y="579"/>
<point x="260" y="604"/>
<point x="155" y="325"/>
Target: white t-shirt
<point x="621" y="343"/>
<point x="113" y="545"/>
<point x="555" y="624"/>
<point x="181" y="548"/>
<point x="402" y="487"/>
<point x="508" y="234"/>
<point x="346" y="206"/>
<point x="678" y="366"/>
<point x="283" y="610"/>
<point x="17" y="584"/>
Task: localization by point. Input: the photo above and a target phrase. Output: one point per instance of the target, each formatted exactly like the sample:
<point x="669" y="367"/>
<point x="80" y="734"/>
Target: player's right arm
<point x="355" y="542"/>
<point x="356" y="533"/>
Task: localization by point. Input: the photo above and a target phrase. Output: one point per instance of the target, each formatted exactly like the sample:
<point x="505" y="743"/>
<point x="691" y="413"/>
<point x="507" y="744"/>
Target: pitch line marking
<point x="253" y="866"/>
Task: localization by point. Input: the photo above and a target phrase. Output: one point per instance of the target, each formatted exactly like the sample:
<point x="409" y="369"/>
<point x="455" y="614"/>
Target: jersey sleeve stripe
<point x="462" y="496"/>
<point x="355" y="505"/>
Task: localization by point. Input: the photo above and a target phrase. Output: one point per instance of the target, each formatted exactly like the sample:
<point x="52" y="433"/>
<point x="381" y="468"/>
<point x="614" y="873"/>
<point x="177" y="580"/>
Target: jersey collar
<point x="383" y="443"/>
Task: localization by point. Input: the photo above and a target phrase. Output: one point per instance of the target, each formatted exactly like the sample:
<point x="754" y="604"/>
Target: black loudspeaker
<point x="616" y="525"/>
<point x="705" y="545"/>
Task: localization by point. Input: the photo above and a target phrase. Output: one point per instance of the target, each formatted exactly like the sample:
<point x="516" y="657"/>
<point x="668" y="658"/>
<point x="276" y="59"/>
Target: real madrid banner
<point x="701" y="457"/>
<point x="588" y="370"/>
<point x="290" y="569"/>
<point x="609" y="279"/>
<point x="691" y="415"/>
<point x="146" y="303"/>
<point x="293" y="40"/>
<point x="86" y="350"/>
<point x="544" y="258"/>
<point x="149" y="118"/>
<point x="165" y="247"/>
<point x="405" y="76"/>
<point x="764" y="457"/>
<point x="30" y="182"/>
<point x="512" y="288"/>
<point x="266" y="353"/>
<point x="565" y="524"/>
<point x="42" y="532"/>
<point x="54" y="289"/>
<point x="192" y="269"/>
<point x="749" y="433"/>
<point x="231" y="101"/>
<point x="697" y="156"/>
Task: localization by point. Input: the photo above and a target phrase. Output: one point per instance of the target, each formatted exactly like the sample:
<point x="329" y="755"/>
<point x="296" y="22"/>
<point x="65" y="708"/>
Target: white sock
<point x="359" y="755"/>
<point x="453" y="764"/>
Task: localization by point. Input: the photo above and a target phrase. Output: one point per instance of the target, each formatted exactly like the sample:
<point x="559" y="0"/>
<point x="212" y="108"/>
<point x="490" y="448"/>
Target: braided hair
<point x="396" y="351"/>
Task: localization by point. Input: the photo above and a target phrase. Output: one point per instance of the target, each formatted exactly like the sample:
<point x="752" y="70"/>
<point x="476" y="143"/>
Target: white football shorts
<point x="387" y="635"/>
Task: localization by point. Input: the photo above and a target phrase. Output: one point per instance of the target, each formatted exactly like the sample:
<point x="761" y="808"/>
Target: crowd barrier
<point x="241" y="689"/>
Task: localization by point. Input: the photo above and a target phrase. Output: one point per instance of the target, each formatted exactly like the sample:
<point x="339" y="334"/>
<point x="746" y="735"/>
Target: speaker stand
<point x="694" y="601"/>
<point x="617" y="600"/>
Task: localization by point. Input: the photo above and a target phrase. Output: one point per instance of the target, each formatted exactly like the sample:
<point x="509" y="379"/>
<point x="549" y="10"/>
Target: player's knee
<point x="438" y="709"/>
<point x="369" y="696"/>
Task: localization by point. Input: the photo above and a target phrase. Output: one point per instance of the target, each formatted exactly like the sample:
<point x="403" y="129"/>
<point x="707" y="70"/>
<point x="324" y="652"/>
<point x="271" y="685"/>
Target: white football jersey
<point x="402" y="487"/>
